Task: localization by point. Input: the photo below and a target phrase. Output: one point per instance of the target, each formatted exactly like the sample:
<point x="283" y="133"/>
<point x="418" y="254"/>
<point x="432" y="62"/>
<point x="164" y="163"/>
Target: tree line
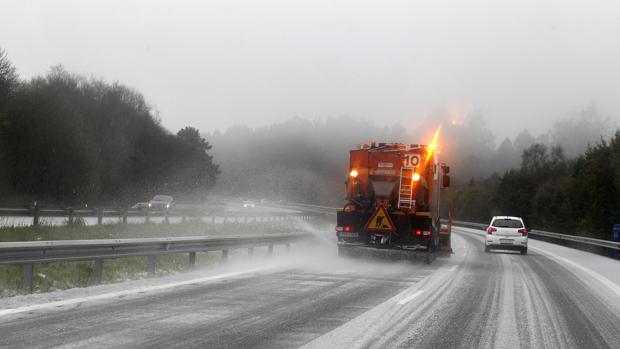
<point x="66" y="139"/>
<point x="578" y="195"/>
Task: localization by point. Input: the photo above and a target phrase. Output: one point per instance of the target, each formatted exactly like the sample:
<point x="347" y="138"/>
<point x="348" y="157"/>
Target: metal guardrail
<point x="540" y="233"/>
<point x="31" y="252"/>
<point x="312" y="208"/>
<point x="190" y="212"/>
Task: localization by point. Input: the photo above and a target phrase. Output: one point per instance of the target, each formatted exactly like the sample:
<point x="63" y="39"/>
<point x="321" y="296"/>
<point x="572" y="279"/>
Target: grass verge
<point x="63" y="275"/>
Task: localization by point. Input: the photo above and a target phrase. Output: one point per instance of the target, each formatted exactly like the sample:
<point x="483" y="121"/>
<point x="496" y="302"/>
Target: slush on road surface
<point x="554" y="297"/>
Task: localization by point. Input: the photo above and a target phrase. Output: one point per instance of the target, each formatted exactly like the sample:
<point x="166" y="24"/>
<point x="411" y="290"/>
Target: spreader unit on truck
<point x="393" y="192"/>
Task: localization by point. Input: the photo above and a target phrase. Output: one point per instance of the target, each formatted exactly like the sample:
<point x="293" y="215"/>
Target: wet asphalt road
<point x="470" y="300"/>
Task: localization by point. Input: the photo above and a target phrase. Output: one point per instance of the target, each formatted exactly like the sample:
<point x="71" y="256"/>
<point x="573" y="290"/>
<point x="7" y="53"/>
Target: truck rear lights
<point x="523" y="232"/>
<point x="353" y="174"/>
<point x="340" y="229"/>
<point x="491" y="230"/>
<point x="418" y="232"/>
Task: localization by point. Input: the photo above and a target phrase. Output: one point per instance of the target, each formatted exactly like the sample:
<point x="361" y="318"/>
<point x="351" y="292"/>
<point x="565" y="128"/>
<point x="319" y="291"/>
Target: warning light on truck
<point x="353" y="174"/>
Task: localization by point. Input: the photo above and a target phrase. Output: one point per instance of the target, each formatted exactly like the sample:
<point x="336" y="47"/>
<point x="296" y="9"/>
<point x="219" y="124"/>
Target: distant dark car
<point x="140" y="206"/>
<point x="161" y="202"/>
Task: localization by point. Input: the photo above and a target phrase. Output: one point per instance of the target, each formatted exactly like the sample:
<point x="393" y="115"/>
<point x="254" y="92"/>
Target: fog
<point x="307" y="161"/>
<point x="281" y="91"/>
<point x="213" y="65"/>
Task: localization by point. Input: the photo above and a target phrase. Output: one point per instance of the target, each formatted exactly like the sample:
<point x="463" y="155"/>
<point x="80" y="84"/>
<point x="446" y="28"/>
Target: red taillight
<point x="491" y="230"/>
<point x="523" y="232"/>
<point x="347" y="228"/>
<point x="418" y="232"/>
<point x="339" y="228"/>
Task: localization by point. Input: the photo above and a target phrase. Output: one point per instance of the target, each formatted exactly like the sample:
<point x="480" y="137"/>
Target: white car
<point x="161" y="202"/>
<point x="506" y="233"/>
<point x="248" y="204"/>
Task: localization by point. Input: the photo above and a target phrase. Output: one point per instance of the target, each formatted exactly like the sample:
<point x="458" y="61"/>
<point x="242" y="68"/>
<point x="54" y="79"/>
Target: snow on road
<point x="554" y="297"/>
<point x="495" y="300"/>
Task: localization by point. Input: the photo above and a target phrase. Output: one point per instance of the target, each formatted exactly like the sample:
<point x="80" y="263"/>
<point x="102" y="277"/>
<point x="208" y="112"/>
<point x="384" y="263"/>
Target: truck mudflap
<point x="445" y="242"/>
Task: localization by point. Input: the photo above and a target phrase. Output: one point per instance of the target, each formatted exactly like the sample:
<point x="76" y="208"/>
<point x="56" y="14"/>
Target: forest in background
<point x="69" y="140"/>
<point x="555" y="179"/>
<point x="578" y="195"/>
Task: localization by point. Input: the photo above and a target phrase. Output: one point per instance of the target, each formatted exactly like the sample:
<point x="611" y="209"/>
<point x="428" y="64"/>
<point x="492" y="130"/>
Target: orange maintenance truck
<point x="393" y="192"/>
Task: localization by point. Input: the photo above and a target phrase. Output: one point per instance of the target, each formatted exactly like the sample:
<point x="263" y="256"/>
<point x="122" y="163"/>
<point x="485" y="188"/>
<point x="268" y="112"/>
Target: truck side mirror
<point x="445" y="181"/>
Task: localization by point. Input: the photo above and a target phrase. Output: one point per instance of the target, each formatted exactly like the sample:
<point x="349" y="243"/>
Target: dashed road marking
<point x="410" y="298"/>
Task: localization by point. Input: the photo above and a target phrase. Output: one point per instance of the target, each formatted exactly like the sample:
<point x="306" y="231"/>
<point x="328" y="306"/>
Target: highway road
<point x="554" y="297"/>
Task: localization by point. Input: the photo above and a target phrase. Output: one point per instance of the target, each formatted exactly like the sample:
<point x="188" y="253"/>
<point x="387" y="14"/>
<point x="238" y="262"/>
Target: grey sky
<point x="213" y="64"/>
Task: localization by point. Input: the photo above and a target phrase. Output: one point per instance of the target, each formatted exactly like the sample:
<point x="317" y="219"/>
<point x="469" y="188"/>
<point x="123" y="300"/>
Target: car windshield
<point x="162" y="198"/>
<point x="507" y="223"/>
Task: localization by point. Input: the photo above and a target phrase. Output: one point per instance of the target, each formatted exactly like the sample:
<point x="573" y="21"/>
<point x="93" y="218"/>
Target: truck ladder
<point x="405" y="188"/>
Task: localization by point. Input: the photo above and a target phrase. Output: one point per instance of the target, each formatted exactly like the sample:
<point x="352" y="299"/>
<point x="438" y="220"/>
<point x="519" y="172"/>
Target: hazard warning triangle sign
<point x="380" y="222"/>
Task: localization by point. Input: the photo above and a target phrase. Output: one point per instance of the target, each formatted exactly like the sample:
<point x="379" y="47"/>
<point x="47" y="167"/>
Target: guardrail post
<point x="183" y="216"/>
<point x="224" y="256"/>
<point x="147" y="215"/>
<point x="27" y="280"/>
<point x="270" y="250"/>
<point x="98" y="270"/>
<point x="167" y="216"/>
<point x="124" y="213"/>
<point x="35" y="214"/>
<point x="192" y="260"/>
<point x="99" y="215"/>
<point x="71" y="216"/>
<point x="151" y="266"/>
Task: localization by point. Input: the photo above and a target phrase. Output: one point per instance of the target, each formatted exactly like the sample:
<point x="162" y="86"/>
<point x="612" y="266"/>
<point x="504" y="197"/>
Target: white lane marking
<point x="605" y="281"/>
<point x="410" y="298"/>
<point x="28" y="308"/>
<point x="453" y="268"/>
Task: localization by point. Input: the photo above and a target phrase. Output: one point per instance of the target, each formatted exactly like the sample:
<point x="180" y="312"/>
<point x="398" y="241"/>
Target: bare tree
<point x="8" y="76"/>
